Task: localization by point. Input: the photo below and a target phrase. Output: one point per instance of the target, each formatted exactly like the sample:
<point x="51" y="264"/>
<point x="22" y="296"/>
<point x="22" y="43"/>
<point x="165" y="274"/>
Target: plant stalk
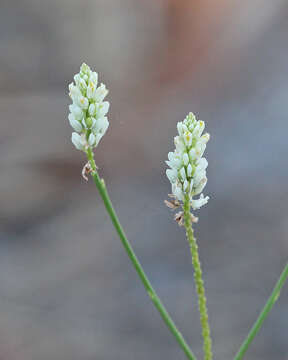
<point x="135" y="262"/>
<point x="207" y="342"/>
<point x="265" y="311"/>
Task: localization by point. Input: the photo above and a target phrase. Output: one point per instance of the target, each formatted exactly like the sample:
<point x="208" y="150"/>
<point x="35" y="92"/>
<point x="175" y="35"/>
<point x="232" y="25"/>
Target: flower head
<point x="187" y="172"/>
<point x="88" y="109"/>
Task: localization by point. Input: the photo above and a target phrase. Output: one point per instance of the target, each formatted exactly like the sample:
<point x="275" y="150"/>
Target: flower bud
<point x="92" y="139"/>
<point x="78" y="141"/>
<point x="74" y="123"/>
<point x="89" y="122"/>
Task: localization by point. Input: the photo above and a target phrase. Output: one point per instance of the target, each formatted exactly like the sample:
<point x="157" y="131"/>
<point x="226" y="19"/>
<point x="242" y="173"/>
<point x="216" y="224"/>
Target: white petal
<point x="74" y="92"/>
<point x="196" y="204"/>
<point x="191" y="187"/>
<point x="91" y="139"/>
<point x="80" y="83"/>
<point x="183" y="173"/>
<point x="91" y="90"/>
<point x="180" y="128"/>
<point x="187" y="138"/>
<point x="98" y="138"/>
<point x="198" y="176"/>
<point x="92" y="109"/>
<point x="192" y="154"/>
<point x="180" y="146"/>
<point x="200" y="186"/>
<point x="201" y="164"/>
<point x="189" y="170"/>
<point x="74" y="123"/>
<point x="76" y="111"/>
<point x="199" y="128"/>
<point x="185" y="159"/>
<point x="77" y="140"/>
<point x="185" y="185"/>
<point x="184" y="127"/>
<point x="170" y="155"/>
<point x="205" y="138"/>
<point x="103" y="108"/>
<point x="83" y="102"/>
<point x="172" y="175"/>
<point x="102" y="125"/>
<point x="200" y="148"/>
<point x="100" y="93"/>
<point x="84" y="123"/>
<point x="77" y="79"/>
<point x="175" y="160"/>
<point x="177" y="191"/>
<point x="94" y="77"/>
<point x="93" y="122"/>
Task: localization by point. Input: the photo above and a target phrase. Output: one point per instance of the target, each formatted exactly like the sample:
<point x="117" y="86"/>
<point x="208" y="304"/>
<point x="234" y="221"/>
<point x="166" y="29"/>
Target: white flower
<point x="101" y="125"/>
<point x="92" y="109"/>
<point x="74" y="123"/>
<point x="103" y="109"/>
<point x="177" y="190"/>
<point x="74" y="92"/>
<point x="172" y="175"/>
<point x="187" y="172"/>
<point x="79" y="141"/>
<point x="76" y="111"/>
<point x="88" y="110"/>
<point x="92" y="139"/>
<point x="91" y="90"/>
<point x="83" y="102"/>
<point x="196" y="204"/>
<point x="100" y="93"/>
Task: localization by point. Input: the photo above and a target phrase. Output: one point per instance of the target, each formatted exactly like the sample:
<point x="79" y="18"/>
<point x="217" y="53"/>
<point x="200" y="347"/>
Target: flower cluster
<point x="88" y="110"/>
<point x="188" y="168"/>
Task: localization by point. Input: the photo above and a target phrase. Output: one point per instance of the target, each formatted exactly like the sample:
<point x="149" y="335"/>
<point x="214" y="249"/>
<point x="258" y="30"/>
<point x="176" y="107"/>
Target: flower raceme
<point x="88" y="110"/>
<point x="187" y="172"/>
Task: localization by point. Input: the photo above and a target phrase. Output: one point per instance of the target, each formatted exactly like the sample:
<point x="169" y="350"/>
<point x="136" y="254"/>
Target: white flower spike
<point x="88" y="110"/>
<point x="187" y="172"/>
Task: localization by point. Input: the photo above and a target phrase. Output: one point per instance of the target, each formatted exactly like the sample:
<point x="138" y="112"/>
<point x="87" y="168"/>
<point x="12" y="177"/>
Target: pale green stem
<point x="207" y="342"/>
<point x="135" y="262"/>
<point x="265" y="311"/>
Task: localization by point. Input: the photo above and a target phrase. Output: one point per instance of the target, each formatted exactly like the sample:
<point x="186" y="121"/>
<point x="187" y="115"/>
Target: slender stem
<point x="265" y="311"/>
<point x="207" y="342"/>
<point x="135" y="262"/>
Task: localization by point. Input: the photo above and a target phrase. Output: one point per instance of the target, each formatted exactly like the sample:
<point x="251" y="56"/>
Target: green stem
<point x="135" y="262"/>
<point x="265" y="311"/>
<point x="207" y="342"/>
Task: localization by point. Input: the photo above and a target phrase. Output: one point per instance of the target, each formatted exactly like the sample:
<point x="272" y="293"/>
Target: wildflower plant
<point x="187" y="175"/>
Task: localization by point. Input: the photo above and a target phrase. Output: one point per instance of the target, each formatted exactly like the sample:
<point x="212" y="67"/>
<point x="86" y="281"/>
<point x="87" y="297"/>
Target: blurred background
<point x="67" y="289"/>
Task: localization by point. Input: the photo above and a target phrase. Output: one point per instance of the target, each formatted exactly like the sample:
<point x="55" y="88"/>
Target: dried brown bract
<point x="172" y="204"/>
<point x="86" y="170"/>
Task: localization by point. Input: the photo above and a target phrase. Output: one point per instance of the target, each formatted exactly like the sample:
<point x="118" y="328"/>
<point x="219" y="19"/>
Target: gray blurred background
<point x="67" y="289"/>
